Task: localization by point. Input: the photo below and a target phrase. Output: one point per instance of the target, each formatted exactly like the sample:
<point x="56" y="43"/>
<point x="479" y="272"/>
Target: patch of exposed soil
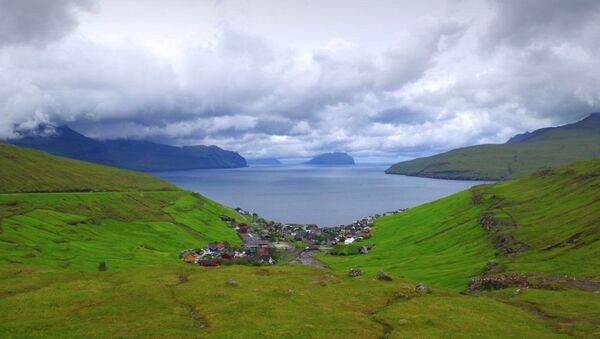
<point x="532" y="280"/>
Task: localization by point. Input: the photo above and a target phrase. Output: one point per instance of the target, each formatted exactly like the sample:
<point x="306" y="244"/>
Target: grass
<point x="273" y="302"/>
<point x="546" y="148"/>
<point x="51" y="244"/>
<point x="27" y="170"/>
<point x="76" y="231"/>
<point x="442" y="242"/>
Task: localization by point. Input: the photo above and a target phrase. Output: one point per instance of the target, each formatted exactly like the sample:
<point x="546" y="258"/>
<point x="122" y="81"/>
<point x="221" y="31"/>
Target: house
<point x="349" y="241"/>
<point x="228" y="255"/>
<point x="262" y="252"/>
<point x="189" y="258"/>
<point x="243" y="228"/>
<point x="210" y="263"/>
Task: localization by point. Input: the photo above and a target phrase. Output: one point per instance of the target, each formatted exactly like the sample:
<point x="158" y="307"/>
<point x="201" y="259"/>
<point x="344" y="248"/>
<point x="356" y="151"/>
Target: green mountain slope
<point x="27" y="170"/>
<point x="522" y="155"/>
<point x="547" y="222"/>
<point x="94" y="213"/>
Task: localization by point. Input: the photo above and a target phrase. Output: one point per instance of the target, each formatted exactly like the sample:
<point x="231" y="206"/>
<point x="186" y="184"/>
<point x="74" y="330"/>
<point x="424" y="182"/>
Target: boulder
<point x="354" y="272"/>
<point x="384" y="276"/>
<point x="421" y="288"/>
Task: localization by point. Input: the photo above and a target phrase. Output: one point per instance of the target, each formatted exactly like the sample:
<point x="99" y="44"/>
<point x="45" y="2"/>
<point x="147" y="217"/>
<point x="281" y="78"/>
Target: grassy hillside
<point x="271" y="302"/>
<point x="548" y="222"/>
<point x="51" y="244"/>
<point x="137" y="221"/>
<point x="525" y="154"/>
<point x="76" y="231"/>
<point x="27" y="170"/>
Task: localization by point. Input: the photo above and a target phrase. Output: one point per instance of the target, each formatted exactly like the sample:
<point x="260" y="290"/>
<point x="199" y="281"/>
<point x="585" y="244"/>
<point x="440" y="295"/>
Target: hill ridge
<point x="522" y="154"/>
<point x="140" y="155"/>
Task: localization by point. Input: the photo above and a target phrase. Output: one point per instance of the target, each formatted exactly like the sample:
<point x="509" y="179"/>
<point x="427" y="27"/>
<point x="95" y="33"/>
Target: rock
<point x="383" y="276"/>
<point x="232" y="282"/>
<point x="492" y="267"/>
<point x="421" y="288"/>
<point x="354" y="272"/>
<point x="290" y="291"/>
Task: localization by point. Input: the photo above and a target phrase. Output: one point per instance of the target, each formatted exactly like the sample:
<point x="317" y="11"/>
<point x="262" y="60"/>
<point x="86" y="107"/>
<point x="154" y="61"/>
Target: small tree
<point x="102" y="266"/>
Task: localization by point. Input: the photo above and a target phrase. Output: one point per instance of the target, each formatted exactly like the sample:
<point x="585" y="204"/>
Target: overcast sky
<point x="382" y="80"/>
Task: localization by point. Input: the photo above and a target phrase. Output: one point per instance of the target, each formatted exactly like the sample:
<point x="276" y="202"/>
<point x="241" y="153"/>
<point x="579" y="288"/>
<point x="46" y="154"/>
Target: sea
<point x="323" y="195"/>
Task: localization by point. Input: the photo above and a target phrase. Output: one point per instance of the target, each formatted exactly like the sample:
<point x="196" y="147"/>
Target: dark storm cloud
<point x="38" y="21"/>
<point x="441" y="83"/>
<point x="522" y="23"/>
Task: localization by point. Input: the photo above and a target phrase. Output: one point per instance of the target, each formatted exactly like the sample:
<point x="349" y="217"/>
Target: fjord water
<point x="323" y="195"/>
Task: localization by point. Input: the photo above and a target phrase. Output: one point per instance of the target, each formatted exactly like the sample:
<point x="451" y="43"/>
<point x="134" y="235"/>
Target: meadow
<point x="51" y="245"/>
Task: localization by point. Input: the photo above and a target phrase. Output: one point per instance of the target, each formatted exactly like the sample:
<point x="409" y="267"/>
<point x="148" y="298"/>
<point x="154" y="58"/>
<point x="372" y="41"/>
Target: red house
<point x="210" y="263"/>
<point x="227" y="256"/>
<point x="262" y="252"/>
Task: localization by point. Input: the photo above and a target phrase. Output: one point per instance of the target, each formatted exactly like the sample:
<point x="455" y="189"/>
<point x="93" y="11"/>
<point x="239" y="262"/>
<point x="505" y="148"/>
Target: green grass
<point x="439" y="242"/>
<point x="548" y="148"/>
<point x="51" y="244"/>
<point x="573" y="312"/>
<point x="27" y="170"/>
<point x="76" y="231"/>
<point x="442" y="242"/>
<point x="273" y="302"/>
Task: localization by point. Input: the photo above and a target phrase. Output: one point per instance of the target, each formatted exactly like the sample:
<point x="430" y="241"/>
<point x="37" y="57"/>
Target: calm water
<point x="326" y="196"/>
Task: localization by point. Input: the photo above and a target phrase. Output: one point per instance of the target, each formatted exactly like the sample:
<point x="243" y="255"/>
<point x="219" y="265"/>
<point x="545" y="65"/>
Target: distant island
<point x="520" y="155"/>
<point x="335" y="158"/>
<point x="263" y="162"/>
<point x="125" y="153"/>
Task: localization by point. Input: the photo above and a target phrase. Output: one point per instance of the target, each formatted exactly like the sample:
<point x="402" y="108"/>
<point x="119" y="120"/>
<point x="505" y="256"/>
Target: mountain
<point x="149" y="156"/>
<point x="29" y="170"/>
<point x="521" y="155"/>
<point x="65" y="142"/>
<point x="129" y="154"/>
<point x="263" y="162"/>
<point x="336" y="158"/>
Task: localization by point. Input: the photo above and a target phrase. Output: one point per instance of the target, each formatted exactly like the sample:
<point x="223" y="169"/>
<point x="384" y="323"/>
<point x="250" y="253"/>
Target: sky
<point x="381" y="80"/>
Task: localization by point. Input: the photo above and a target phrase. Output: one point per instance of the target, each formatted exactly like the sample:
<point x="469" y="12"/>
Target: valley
<point x="52" y="246"/>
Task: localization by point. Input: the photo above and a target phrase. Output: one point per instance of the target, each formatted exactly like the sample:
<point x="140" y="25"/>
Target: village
<point x="267" y="242"/>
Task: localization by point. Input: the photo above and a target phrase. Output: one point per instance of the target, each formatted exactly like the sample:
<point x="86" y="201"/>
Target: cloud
<point x="523" y="23"/>
<point x="442" y="81"/>
<point x="37" y="21"/>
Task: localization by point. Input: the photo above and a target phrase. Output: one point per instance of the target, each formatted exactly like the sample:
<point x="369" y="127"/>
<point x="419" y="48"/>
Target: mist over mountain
<point x="130" y="154"/>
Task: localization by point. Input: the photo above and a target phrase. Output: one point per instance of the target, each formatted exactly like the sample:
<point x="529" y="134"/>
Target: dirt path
<point x="307" y="257"/>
